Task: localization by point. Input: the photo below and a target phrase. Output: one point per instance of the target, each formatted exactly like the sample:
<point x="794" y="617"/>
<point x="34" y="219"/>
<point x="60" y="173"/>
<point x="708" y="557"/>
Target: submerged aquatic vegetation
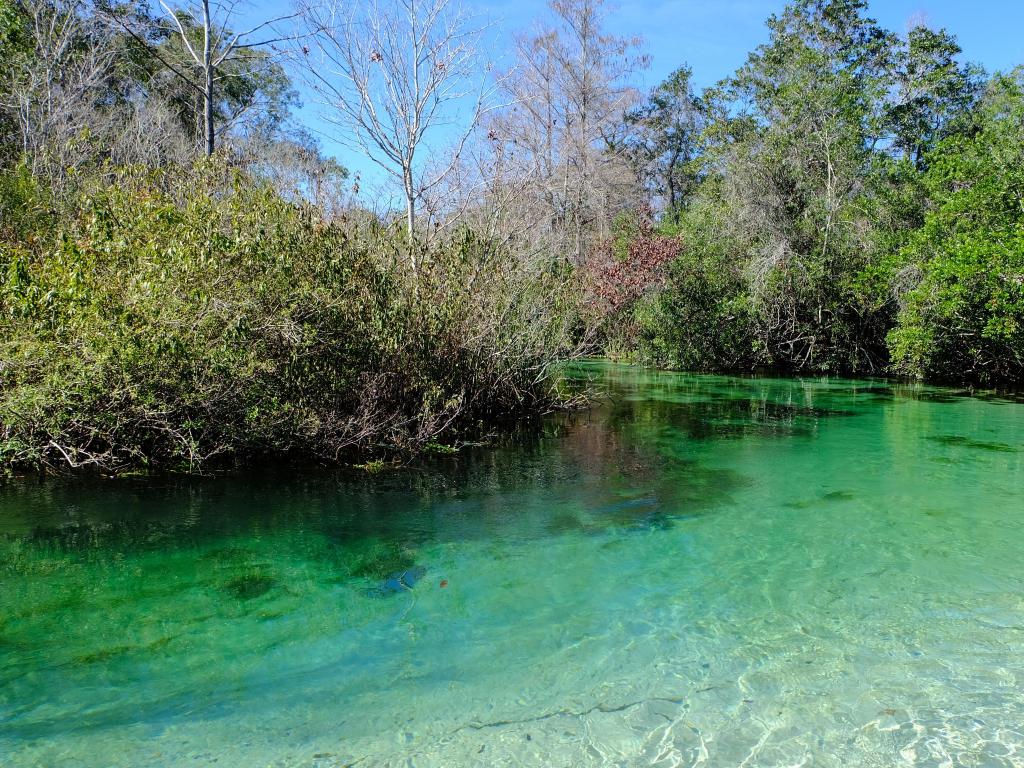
<point x="251" y="585"/>
<point x="961" y="441"/>
<point x="382" y="560"/>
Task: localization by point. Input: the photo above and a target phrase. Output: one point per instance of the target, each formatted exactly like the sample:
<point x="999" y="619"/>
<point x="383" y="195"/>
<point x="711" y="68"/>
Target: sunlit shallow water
<point x="705" y="571"/>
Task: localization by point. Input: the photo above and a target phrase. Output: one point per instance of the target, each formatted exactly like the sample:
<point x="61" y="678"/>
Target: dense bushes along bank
<point x="855" y="205"/>
<point x="152" y="323"/>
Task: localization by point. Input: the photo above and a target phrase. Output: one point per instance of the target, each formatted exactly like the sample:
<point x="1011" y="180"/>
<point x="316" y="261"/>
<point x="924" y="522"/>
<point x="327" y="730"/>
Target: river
<point x="699" y="571"/>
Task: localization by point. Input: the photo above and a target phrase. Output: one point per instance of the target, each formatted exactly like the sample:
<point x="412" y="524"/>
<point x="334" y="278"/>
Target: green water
<point x="702" y="571"/>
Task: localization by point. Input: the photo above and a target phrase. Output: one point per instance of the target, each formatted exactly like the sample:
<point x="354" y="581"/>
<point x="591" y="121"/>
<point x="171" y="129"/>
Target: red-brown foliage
<point x="616" y="280"/>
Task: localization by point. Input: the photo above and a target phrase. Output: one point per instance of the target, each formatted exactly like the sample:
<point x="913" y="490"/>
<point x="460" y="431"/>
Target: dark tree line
<point x="812" y="193"/>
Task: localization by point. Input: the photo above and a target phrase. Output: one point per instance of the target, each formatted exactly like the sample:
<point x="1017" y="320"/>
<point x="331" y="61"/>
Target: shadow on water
<point x="960" y="441"/>
<point x="588" y="472"/>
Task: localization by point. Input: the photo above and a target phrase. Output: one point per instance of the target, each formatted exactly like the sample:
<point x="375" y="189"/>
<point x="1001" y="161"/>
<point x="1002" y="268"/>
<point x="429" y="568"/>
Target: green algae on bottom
<point x="250" y="586"/>
<point x="702" y="570"/>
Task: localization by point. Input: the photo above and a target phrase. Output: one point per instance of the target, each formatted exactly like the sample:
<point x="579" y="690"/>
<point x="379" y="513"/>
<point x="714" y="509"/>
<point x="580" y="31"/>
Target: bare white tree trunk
<point x="211" y="45"/>
<point x="208" y="74"/>
<point x="389" y="74"/>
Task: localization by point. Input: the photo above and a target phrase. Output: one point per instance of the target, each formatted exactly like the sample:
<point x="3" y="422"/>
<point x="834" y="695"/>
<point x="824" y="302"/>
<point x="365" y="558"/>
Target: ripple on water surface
<point x="703" y="571"/>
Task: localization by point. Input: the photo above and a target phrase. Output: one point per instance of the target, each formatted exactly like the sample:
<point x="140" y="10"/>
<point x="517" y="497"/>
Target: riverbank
<point x="191" y="319"/>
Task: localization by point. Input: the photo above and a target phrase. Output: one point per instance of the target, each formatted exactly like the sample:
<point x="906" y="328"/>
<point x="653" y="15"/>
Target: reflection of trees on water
<point x="635" y="460"/>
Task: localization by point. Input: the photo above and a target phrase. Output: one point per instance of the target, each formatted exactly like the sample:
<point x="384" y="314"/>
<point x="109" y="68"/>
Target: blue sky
<point x="715" y="36"/>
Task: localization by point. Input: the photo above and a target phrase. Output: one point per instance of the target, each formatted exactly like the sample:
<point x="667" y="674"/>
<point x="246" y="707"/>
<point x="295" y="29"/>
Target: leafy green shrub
<point x="702" y="319"/>
<point x="963" y="313"/>
<point x="163" y="326"/>
<point x="699" y="324"/>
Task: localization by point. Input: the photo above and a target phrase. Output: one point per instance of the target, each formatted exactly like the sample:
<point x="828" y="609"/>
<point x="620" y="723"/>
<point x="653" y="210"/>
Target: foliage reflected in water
<point x="960" y="441"/>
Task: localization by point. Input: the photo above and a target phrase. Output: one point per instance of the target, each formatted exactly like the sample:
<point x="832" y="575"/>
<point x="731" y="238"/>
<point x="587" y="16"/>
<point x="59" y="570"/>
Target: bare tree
<point x="299" y="171"/>
<point x="392" y="75"/>
<point x="148" y="131"/>
<point x="52" y="94"/>
<point x="570" y="95"/>
<point x="214" y="51"/>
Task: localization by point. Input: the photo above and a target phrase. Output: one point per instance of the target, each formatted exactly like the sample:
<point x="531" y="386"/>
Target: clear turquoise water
<point x="703" y="571"/>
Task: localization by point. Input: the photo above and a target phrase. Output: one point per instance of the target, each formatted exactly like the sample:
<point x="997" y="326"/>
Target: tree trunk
<point x="410" y="217"/>
<point x="208" y="113"/>
<point x="208" y="74"/>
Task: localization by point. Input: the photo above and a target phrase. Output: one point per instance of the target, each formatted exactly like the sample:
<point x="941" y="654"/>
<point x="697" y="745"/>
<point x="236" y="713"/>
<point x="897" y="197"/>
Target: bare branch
<point x="214" y="19"/>
<point x="394" y="76"/>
